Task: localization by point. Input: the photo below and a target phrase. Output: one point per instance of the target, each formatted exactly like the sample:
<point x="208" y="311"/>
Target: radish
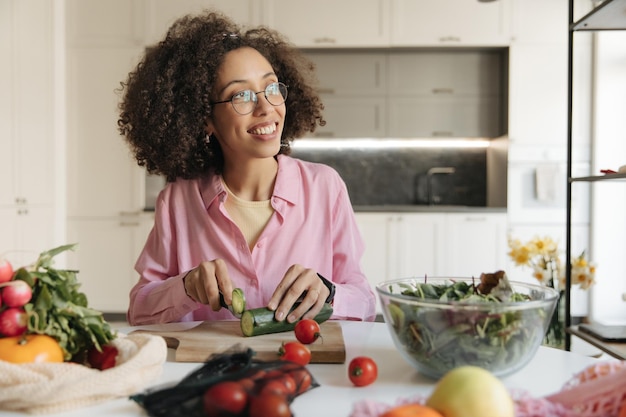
<point x="16" y="293"/>
<point x="6" y="270"/>
<point x="13" y="322"/>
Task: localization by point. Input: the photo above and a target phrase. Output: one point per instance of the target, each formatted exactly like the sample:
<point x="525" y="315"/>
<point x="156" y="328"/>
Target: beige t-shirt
<point x="250" y="216"/>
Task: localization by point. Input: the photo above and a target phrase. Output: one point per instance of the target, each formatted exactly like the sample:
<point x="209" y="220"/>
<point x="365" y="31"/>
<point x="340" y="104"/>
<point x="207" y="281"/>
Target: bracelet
<point x="331" y="288"/>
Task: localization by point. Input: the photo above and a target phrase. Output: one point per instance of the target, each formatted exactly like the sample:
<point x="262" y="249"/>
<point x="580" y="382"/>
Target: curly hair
<point x="166" y="103"/>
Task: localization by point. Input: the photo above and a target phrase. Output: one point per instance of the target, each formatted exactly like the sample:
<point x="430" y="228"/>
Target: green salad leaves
<point x="473" y="328"/>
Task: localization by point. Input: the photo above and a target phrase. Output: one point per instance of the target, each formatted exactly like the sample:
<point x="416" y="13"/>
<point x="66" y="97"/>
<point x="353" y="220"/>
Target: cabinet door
<point x="103" y="178"/>
<point x="474" y="243"/>
<point x="329" y="23"/>
<point x="445" y="117"/>
<point x="350" y="73"/>
<point x="361" y="117"/>
<point x="418" y="244"/>
<point x="26" y="232"/>
<point x="450" y="23"/>
<point x="111" y="22"/>
<point x="105" y="258"/>
<point x="162" y="13"/>
<point x="445" y="73"/>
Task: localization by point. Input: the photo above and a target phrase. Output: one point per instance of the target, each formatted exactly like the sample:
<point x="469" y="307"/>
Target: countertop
<point x="396" y="380"/>
<point x="423" y="208"/>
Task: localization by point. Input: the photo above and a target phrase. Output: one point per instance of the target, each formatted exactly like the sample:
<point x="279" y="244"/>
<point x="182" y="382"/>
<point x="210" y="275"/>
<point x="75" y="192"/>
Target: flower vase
<point x="555" y="335"/>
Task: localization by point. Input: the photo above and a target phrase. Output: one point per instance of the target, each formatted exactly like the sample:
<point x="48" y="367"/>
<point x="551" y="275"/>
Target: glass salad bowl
<point x="438" y="324"/>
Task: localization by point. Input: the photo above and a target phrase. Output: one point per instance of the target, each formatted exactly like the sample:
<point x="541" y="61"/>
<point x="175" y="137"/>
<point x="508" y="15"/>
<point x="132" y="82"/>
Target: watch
<point x="331" y="288"/>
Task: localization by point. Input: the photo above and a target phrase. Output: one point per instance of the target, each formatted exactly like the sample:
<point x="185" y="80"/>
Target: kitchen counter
<point x="336" y="396"/>
<point x="422" y="208"/>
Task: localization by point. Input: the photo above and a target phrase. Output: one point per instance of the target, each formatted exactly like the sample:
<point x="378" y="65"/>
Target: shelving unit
<point x="609" y="15"/>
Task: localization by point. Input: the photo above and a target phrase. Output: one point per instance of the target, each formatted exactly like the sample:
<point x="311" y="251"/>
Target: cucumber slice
<point x="238" y="305"/>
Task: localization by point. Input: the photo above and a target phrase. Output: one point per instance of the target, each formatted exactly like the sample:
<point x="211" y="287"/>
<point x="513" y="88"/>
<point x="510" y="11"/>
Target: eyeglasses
<point x="245" y="101"/>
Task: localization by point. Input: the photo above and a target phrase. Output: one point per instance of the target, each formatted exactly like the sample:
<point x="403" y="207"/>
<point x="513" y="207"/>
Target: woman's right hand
<point x="205" y="282"/>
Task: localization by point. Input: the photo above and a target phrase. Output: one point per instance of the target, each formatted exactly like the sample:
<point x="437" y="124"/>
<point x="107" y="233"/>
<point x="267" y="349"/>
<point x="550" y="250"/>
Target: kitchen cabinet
<point x="450" y="23"/>
<point x="399" y="245"/>
<point x="160" y="14"/>
<point x="413" y="93"/>
<point x="474" y="243"/>
<point x="105" y="257"/>
<point x="27" y="128"/>
<point x="329" y="23"/>
<point x="608" y="195"/>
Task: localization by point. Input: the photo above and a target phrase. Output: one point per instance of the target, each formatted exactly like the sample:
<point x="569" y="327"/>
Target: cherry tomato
<point x="225" y="397"/>
<point x="302" y="378"/>
<point x="269" y="405"/>
<point x="295" y="352"/>
<point x="283" y="385"/>
<point x="307" y="331"/>
<point x="362" y="371"/>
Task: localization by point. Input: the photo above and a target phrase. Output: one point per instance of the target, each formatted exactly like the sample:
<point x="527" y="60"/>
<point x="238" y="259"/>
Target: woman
<point x="213" y="108"/>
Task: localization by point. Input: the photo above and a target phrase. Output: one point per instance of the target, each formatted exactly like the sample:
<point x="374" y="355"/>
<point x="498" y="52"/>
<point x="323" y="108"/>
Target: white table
<point x="335" y="396"/>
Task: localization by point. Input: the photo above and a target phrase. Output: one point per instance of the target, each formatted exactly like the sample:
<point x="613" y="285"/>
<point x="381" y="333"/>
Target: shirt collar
<point x="286" y="187"/>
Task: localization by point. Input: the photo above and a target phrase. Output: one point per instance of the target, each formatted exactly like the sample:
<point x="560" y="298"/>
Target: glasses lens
<point x="276" y="93"/>
<point x="244" y="101"/>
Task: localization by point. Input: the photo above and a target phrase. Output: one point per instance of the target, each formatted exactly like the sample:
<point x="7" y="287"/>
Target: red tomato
<point x="6" y="271"/>
<point x="303" y="379"/>
<point x="307" y="331"/>
<point x="362" y="371"/>
<point x="225" y="397"/>
<point x="295" y="352"/>
<point x="283" y="385"/>
<point x="269" y="405"/>
<point x="16" y="293"/>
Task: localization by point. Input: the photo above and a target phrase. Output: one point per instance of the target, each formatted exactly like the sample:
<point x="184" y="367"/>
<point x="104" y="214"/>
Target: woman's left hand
<point x="299" y="284"/>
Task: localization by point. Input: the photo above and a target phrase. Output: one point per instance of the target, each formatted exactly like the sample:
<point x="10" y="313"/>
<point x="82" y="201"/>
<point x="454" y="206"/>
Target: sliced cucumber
<point x="238" y="305"/>
<point x="260" y="321"/>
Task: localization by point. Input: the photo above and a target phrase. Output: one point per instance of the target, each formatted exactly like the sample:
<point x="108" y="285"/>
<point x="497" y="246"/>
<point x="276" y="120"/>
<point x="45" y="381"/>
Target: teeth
<point x="264" y="130"/>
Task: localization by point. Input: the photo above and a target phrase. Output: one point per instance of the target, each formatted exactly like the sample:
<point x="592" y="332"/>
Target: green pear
<point x="470" y="391"/>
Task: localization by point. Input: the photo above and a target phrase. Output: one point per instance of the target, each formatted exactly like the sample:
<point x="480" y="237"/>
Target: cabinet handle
<point x="20" y="200"/>
<point x="130" y="213"/>
<point x="443" y="91"/>
<point x="324" y="40"/>
<point x="475" y="219"/>
<point x="326" y="90"/>
<point x="129" y="224"/>
<point x="442" y="133"/>
<point x="22" y="212"/>
<point x="449" y="39"/>
<point x="324" y="134"/>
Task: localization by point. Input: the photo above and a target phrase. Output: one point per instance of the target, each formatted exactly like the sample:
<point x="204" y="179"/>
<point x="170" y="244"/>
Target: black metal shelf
<point x="597" y="178"/>
<point x="610" y="15"/>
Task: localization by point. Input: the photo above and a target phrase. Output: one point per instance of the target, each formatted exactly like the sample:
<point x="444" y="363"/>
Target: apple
<point x="471" y="391"/>
<point x="6" y="270"/>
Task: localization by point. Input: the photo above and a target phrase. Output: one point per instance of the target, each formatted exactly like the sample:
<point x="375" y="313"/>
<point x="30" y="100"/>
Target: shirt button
<point x="259" y="244"/>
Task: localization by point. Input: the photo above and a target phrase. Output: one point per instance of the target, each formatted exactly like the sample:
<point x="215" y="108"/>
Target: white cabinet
<point x="329" y="23"/>
<point x="450" y="23"/>
<point x="105" y="257"/>
<point x="399" y="245"/>
<point x="103" y="179"/>
<point x="27" y="128"/>
<point x="162" y="13"/>
<point x="474" y="243"/>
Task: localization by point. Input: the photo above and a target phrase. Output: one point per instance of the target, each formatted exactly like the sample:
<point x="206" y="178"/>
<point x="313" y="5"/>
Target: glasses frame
<point x="255" y="99"/>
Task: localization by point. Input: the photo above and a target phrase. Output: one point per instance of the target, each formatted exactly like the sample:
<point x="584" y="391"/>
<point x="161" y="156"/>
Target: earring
<point x="207" y="139"/>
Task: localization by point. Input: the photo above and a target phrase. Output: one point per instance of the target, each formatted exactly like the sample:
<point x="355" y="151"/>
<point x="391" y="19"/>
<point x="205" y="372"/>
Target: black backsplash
<point x="398" y="176"/>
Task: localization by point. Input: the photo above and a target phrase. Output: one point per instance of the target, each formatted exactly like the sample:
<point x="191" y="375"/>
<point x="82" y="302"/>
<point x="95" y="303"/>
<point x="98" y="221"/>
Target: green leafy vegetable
<point x="58" y="309"/>
<point x="441" y="338"/>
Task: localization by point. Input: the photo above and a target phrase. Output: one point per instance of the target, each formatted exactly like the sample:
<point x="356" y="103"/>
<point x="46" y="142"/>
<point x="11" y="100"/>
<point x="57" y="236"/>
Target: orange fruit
<point x="412" y="410"/>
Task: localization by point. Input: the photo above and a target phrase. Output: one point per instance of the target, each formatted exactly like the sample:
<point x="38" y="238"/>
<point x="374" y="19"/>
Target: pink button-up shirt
<point x="313" y="225"/>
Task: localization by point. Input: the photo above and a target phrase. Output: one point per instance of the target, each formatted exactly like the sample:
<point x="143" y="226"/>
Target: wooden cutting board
<point x="200" y="342"/>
